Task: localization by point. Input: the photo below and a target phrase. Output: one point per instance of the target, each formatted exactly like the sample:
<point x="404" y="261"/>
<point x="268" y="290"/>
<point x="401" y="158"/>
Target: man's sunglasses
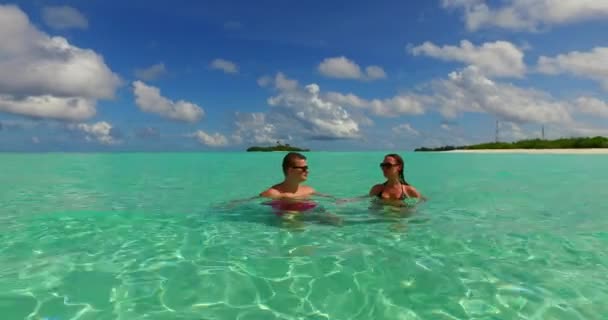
<point x="303" y="168"/>
<point x="388" y="165"/>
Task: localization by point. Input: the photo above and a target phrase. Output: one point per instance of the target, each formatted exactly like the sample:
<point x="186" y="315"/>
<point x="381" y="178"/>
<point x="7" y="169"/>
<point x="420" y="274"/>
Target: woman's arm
<point x="412" y="192"/>
<point x="375" y="190"/>
<point x="372" y="193"/>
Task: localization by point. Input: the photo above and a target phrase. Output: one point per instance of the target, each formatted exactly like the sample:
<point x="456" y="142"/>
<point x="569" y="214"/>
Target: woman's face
<point x="390" y="167"/>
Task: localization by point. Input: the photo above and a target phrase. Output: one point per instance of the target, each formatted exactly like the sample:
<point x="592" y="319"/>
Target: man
<point x="286" y="193"/>
<point x="295" y="170"/>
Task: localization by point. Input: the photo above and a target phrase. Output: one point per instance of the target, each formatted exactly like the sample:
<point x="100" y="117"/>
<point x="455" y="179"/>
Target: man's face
<point x="298" y="170"/>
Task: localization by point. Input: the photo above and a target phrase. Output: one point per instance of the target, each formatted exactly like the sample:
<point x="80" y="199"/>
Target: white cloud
<point x="147" y="133"/>
<point x="29" y="124"/>
<point x="340" y="67"/>
<point x="253" y="127"/>
<point x="460" y="3"/>
<point x="592" y="106"/>
<point x="528" y="15"/>
<point x="151" y="73"/>
<point x="404" y="104"/>
<point x="453" y="135"/>
<point x="344" y="68"/>
<point x="375" y="72"/>
<point x="45" y="76"/>
<point x="440" y="138"/>
<point x="224" y="65"/>
<point x="574" y="129"/>
<point x="509" y="131"/>
<point x="405" y="129"/>
<point x="348" y="99"/>
<point x="100" y="131"/>
<point x="279" y="82"/>
<point x="499" y="58"/>
<point x="299" y="111"/>
<point x="470" y="91"/>
<point x="399" y="105"/>
<point x="592" y="64"/>
<point x="580" y="130"/>
<point x="465" y="91"/>
<point x="64" y="17"/>
<point x="73" y="109"/>
<point x="264" y="81"/>
<point x="319" y="118"/>
<point x="53" y="67"/>
<point x="149" y="99"/>
<point x="285" y="84"/>
<point x="212" y="140"/>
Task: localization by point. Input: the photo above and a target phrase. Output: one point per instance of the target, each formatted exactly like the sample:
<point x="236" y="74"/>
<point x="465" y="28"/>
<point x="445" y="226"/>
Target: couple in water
<point x="291" y="197"/>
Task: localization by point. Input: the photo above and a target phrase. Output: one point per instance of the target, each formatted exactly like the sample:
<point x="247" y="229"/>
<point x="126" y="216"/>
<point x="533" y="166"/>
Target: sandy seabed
<point x="539" y="151"/>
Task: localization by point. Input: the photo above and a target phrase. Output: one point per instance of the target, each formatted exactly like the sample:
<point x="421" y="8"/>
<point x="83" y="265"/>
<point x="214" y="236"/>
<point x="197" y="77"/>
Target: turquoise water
<point x="148" y="236"/>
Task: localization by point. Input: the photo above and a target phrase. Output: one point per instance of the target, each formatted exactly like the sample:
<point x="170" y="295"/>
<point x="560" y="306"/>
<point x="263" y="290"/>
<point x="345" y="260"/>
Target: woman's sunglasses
<point x="387" y="165"/>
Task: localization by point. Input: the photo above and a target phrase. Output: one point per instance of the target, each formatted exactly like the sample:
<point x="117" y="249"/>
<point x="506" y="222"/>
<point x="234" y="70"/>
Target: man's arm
<point x="233" y="203"/>
<point x="372" y="193"/>
<point x="310" y="191"/>
<point x="324" y="195"/>
<point x="353" y="199"/>
<point x="269" y="193"/>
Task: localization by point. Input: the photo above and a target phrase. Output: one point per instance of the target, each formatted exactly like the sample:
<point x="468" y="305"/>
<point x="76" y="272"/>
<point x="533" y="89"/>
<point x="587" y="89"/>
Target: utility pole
<point x="543" y="132"/>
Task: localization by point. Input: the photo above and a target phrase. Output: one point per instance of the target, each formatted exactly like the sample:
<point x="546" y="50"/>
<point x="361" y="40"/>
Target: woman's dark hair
<point x="400" y="162"/>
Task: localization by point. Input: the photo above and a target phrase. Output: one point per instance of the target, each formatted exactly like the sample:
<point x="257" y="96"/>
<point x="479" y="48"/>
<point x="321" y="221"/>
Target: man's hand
<point x="340" y="201"/>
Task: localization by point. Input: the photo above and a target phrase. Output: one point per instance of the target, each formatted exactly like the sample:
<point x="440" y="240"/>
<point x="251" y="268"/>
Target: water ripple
<point x="120" y="237"/>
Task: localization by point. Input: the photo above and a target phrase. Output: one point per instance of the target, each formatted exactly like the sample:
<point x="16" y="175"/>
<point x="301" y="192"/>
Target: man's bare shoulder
<point x="307" y="190"/>
<point x="271" y="192"/>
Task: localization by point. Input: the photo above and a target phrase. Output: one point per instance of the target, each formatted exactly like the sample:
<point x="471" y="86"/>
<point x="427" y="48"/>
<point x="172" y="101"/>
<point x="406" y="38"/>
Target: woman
<point x="395" y="189"/>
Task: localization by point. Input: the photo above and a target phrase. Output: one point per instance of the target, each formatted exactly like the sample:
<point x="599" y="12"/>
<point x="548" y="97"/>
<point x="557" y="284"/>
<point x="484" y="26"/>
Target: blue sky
<point x="224" y="75"/>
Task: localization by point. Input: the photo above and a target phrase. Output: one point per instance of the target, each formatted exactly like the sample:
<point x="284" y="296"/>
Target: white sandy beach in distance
<point x="538" y="151"/>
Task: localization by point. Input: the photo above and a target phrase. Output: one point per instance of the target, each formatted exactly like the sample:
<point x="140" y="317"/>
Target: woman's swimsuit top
<point x="403" y="195"/>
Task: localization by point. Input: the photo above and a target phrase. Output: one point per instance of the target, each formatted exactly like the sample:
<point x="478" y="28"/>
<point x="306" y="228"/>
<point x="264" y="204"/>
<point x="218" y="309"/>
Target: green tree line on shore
<point x="563" y="143"/>
<point x="277" y="147"/>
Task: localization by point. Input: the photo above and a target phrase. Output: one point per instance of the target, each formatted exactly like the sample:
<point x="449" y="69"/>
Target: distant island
<point x="564" y="143"/>
<point x="277" y="147"/>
